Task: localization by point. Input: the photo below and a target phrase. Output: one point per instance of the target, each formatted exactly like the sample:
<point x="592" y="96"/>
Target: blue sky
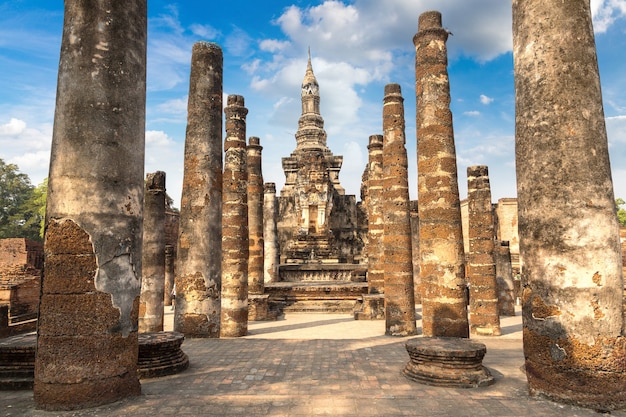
<point x="357" y="47"/>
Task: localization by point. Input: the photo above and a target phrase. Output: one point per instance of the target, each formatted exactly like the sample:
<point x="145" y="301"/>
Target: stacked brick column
<point x="483" y="300"/>
<point x="199" y="255"/>
<point x="397" y="258"/>
<point x="87" y="343"/>
<point x="153" y="255"/>
<point x="235" y="222"/>
<point x="270" y="234"/>
<point x="255" y="217"/>
<point x="442" y="271"/>
<point x="375" y="228"/>
<point x="574" y="344"/>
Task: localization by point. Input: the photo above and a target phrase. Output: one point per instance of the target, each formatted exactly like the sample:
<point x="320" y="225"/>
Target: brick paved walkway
<point x="314" y="365"/>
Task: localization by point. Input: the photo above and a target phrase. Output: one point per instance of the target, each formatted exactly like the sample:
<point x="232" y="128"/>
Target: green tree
<point x="621" y="213"/>
<point x="19" y="213"/>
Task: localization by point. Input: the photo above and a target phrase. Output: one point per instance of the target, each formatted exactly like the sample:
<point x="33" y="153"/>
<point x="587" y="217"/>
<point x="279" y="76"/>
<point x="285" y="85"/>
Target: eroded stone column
<point x="199" y="254"/>
<point x="235" y="247"/>
<point x="87" y="343"/>
<point x="255" y="216"/>
<point x="442" y="271"/>
<point x="397" y="257"/>
<point x="483" y="300"/>
<point x="375" y="227"/>
<point x="170" y="258"/>
<point x="569" y="237"/>
<point x="153" y="255"/>
<point x="271" y="254"/>
<point x="504" y="279"/>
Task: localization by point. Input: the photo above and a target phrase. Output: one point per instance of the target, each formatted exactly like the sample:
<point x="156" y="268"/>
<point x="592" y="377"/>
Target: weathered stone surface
<point x="235" y="234"/>
<point x="94" y="209"/>
<point x="504" y="277"/>
<point x="397" y="256"/>
<point x="255" y="217"/>
<point x="442" y="272"/>
<point x="270" y="234"/>
<point x="199" y="253"/>
<point x="375" y="231"/>
<point x="170" y="259"/>
<point x="483" y="297"/>
<point x="569" y="237"/>
<point x="450" y="362"/>
<point x="153" y="255"/>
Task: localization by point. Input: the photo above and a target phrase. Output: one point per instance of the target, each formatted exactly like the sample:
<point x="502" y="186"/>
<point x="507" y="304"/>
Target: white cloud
<point x="485" y="99"/>
<point x="205" y="31"/>
<point x="616" y="129"/>
<point x="472" y="113"/>
<point x="273" y="45"/>
<point x="606" y="12"/>
<point x="13" y="127"/>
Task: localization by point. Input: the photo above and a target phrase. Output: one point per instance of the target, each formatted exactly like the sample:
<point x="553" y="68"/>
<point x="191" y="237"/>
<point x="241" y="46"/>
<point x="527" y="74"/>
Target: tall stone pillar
<point x="153" y="255"/>
<point x="574" y="344"/>
<point x="483" y="300"/>
<point x="87" y="343"/>
<point x="375" y="228"/>
<point x="415" y="239"/>
<point x="199" y="254"/>
<point x="504" y="279"/>
<point x="170" y="258"/>
<point x="442" y="271"/>
<point x="397" y="257"/>
<point x="255" y="216"/>
<point x="235" y="249"/>
<point x="271" y="254"/>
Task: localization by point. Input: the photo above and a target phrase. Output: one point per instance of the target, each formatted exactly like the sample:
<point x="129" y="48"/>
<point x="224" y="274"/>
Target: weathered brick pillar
<point x="375" y="228"/>
<point x="398" y="273"/>
<point x="504" y="279"/>
<point x="415" y="241"/>
<point x="255" y="217"/>
<point x="87" y="342"/>
<point x="483" y="300"/>
<point x="442" y="271"/>
<point x="170" y="257"/>
<point x="235" y="222"/>
<point x="153" y="255"/>
<point x="270" y="234"/>
<point x="569" y="237"/>
<point x="199" y="254"/>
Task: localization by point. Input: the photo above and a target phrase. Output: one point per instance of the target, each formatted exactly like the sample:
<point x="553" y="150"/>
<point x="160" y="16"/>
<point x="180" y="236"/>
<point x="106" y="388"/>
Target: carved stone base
<point x="450" y="362"/>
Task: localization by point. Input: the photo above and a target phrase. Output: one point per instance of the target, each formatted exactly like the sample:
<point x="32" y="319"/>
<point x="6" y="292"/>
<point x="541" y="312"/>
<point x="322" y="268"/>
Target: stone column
<point x="398" y="274"/>
<point x="235" y="250"/>
<point x="375" y="228"/>
<point x="199" y="254"/>
<point x="170" y="258"/>
<point x="255" y="217"/>
<point x="153" y="255"/>
<point x="504" y="279"/>
<point x="415" y="239"/>
<point x="483" y="300"/>
<point x="574" y="344"/>
<point x="87" y="344"/>
<point x="271" y="254"/>
<point x="442" y="271"/>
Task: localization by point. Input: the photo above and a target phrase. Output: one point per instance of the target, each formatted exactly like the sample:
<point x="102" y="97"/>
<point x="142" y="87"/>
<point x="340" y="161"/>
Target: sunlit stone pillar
<point x="153" y="255"/>
<point x="235" y="248"/>
<point x="271" y="254"/>
<point x="199" y="254"/>
<point x="569" y="237"/>
<point x="375" y="227"/>
<point x="87" y="343"/>
<point x="442" y="271"/>
<point x="397" y="257"/>
<point x="483" y="301"/>
<point x="255" y="216"/>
